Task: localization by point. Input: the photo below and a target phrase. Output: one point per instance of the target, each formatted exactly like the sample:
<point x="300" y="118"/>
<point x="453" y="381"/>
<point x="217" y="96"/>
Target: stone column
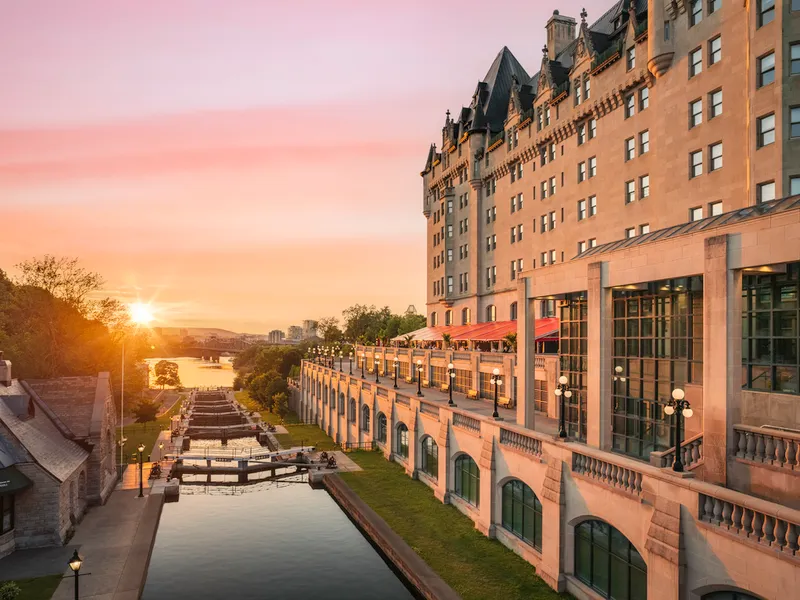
<point x="443" y="442"/>
<point x="485" y="522"/>
<point x="598" y="390"/>
<point x="526" y="355"/>
<point x="551" y="567"/>
<point x="411" y="467"/>
<point x="722" y="355"/>
<point x="390" y="421"/>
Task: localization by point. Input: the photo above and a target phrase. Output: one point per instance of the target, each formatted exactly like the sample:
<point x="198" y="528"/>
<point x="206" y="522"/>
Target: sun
<point x="141" y="314"/>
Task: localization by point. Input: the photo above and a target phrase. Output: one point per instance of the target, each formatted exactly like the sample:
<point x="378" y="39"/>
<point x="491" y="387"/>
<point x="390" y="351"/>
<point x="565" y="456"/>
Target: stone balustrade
<point x="769" y="446"/>
<point x="520" y="441"/>
<point x="428" y="409"/>
<point x="437" y="354"/>
<point x="691" y="454"/>
<point x="466" y="422"/>
<point x="461" y="355"/>
<point x="495" y="359"/>
<point x="608" y="472"/>
<point x="404" y="400"/>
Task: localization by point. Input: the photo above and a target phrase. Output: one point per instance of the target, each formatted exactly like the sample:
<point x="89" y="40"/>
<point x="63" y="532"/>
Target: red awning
<point x="546" y="331"/>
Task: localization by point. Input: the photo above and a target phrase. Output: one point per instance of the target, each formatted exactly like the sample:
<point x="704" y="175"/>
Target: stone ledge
<point x="772" y="550"/>
<point x="408" y="562"/>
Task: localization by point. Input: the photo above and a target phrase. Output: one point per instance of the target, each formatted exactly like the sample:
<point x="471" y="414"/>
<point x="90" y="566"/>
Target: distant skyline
<point x="240" y="164"/>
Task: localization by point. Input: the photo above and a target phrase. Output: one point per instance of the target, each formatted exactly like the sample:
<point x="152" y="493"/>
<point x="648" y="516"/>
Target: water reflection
<point x="195" y="372"/>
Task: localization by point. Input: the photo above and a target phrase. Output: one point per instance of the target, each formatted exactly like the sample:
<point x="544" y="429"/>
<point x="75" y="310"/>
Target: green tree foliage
<point x="328" y="329"/>
<point x="367" y="324"/>
<point x="281" y="403"/>
<point x="9" y="590"/>
<point x="145" y="411"/>
<point x="167" y="374"/>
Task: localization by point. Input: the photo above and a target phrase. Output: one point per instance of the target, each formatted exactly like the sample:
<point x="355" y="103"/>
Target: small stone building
<point x="56" y="455"/>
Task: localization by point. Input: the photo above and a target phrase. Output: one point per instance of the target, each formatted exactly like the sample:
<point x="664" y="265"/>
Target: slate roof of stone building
<point x="72" y="399"/>
<point x="43" y="442"/>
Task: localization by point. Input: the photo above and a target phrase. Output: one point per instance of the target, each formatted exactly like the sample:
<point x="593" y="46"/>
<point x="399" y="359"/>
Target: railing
<point x="366" y="387"/>
<point x="461" y="355"/>
<point x="769" y="446"/>
<point x="437" y="354"/>
<point x="350" y="446"/>
<point x="381" y="392"/>
<point x="608" y="473"/>
<point x="465" y="422"/>
<point x="538" y="362"/>
<point x="640" y="29"/>
<point x="418" y="353"/>
<point x="492" y="358"/>
<point x="560" y="90"/>
<point x="404" y="400"/>
<point x="496" y="138"/>
<point x="521" y="442"/>
<point x="428" y="409"/>
<point x="608" y="56"/>
<point x="760" y="521"/>
<point x="525" y="115"/>
<point x="691" y="454"/>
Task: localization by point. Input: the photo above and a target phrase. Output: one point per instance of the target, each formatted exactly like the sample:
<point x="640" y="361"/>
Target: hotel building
<point x="643" y="188"/>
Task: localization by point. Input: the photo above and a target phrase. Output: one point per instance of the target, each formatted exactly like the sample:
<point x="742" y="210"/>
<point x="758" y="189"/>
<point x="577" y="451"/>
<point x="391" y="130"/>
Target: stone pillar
<point x="526" y="355"/>
<point x="722" y="331"/>
<point x="664" y="557"/>
<point x="411" y="467"/>
<point x="443" y="442"/>
<point x="551" y="568"/>
<point x="475" y="366"/>
<point x="600" y="370"/>
<point x="485" y="522"/>
<point x="390" y="421"/>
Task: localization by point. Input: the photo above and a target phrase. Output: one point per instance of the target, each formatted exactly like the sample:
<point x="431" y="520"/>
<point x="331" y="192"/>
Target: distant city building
<point x="309" y="329"/>
<point x="276" y="336"/>
<point x="295" y="332"/>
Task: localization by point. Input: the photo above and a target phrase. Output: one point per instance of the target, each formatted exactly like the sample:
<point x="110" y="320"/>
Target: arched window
<point x="522" y="513"/>
<point x="325" y="396"/>
<point x="513" y="311"/>
<point x="401" y="446"/>
<point x="491" y="313"/>
<point x="333" y="399"/>
<point x="351" y="414"/>
<point x="434" y="319"/>
<point x="466" y="318"/>
<point x="381" y="427"/>
<point x="430" y="457"/>
<point x="365" y="418"/>
<point x="448" y="317"/>
<point x="468" y="479"/>
<point x="607" y="561"/>
<point x="729" y="595"/>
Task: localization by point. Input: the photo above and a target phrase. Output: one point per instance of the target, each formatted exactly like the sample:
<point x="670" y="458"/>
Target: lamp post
<point x="340" y="361"/>
<point x="451" y="372"/>
<point x="363" y="360"/>
<point x="75" y="564"/>
<point x="351" y="363"/>
<point x="419" y="377"/>
<point x="396" y="369"/>
<point x="678" y="405"/>
<point x="496" y="382"/>
<point x="377" y="362"/>
<point x="562" y="391"/>
<point x="141" y="470"/>
<point x="160" y="451"/>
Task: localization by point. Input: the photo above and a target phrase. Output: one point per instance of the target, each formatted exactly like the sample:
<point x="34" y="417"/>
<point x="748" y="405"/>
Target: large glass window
<point x="608" y="562"/>
<point x="381" y="429"/>
<point x="463" y="381"/>
<point x="658" y="341"/>
<point x="540" y="395"/>
<point x="365" y="418"/>
<point x="429" y="461"/>
<point x="401" y="446"/>
<point x="573" y="349"/>
<point x="486" y="390"/>
<point x="468" y="479"/>
<point x="439" y="376"/>
<point x="6" y="513"/>
<point x="770" y="332"/>
<point x="522" y="513"/>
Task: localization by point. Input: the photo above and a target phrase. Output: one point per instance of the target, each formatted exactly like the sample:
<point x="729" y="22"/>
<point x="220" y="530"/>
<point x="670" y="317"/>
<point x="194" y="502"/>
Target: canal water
<point x="195" y="372"/>
<point x="270" y="539"/>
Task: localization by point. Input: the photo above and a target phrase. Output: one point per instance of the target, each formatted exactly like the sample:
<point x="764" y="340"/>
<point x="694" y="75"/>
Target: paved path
<point x="37" y="562"/>
<point x="115" y="541"/>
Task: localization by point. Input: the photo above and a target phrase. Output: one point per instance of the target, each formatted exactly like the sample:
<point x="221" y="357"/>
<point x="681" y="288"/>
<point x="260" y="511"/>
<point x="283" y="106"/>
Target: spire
<point x="584" y="14"/>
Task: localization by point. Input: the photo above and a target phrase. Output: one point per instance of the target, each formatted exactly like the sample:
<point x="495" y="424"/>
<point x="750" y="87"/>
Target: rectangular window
<point x="765" y="192"/>
<point x="513" y="174"/>
<point x="513" y="270"/>
<point x="592" y="242"/>
<point x="715" y="157"/>
<point x="450" y="207"/>
<point x="695" y="62"/>
<point x="449" y="231"/>
<point x="766" y="130"/>
<point x="630" y="149"/>
<point x="766" y="12"/>
<point x="695" y="214"/>
<point x="513" y="204"/>
<point x="544" y="259"/>
<point x="552" y="257"/>
<point x="794" y="122"/>
<point x="794" y="59"/>
<point x="695" y="12"/>
<point x="695" y="113"/>
<point x="547" y="116"/>
<point x="766" y="69"/>
<point x="643" y="229"/>
<point x="577" y="87"/>
<point x="587" y="84"/>
<point x="449" y="255"/>
<point x="630" y="58"/>
<point x="714" y="104"/>
<point x="581" y="247"/>
<point x="592" y="128"/>
<point x="543" y="228"/>
<point x="592" y="206"/>
<point x="695" y="164"/>
<point x="667" y="25"/>
<point x="581" y="134"/>
<point x="581" y="172"/>
<point x="552" y="186"/>
<point x="552" y="152"/>
<point x="630" y="106"/>
<point x="520" y="200"/>
<point x="552" y="220"/>
<point x="715" y="50"/>
<point x="644" y="186"/>
<point x="449" y="284"/>
<point x="714" y="6"/>
<point x="644" y="98"/>
<point x="630" y="232"/>
<point x="630" y="191"/>
<point x="513" y="235"/>
<point x="644" y="142"/>
<point x="581" y="210"/>
<point x="544" y="190"/>
<point x="794" y="184"/>
<point x="715" y="208"/>
<point x="592" y="167"/>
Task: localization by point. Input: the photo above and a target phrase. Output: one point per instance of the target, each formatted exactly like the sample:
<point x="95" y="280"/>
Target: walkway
<point x="543" y="424"/>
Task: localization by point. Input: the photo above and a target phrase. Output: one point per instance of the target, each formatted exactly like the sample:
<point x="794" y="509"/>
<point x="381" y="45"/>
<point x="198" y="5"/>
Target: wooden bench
<point x="426" y="383"/>
<point x="472" y="394"/>
<point x="409" y="380"/>
<point x="445" y="387"/>
<point x="505" y="402"/>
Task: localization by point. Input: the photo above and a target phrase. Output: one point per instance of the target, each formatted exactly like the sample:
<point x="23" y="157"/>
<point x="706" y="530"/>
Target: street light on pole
<point x="141" y="470"/>
<point x="340" y="361"/>
<point x="562" y="391"/>
<point x="451" y="372"/>
<point x="680" y="408"/>
<point x="419" y="377"/>
<point x="351" y="363"/>
<point x="363" y="360"/>
<point x="396" y="369"/>
<point x="496" y="382"/>
<point x="75" y="564"/>
<point x="377" y="362"/>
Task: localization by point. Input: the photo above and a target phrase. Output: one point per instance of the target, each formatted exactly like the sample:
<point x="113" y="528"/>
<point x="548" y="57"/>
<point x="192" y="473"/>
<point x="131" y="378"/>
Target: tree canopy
<point x="167" y="374"/>
<point x="366" y="324"/>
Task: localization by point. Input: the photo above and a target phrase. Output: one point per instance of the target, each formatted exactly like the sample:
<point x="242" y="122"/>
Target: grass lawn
<point x="305" y="435"/>
<point x="147" y="433"/>
<point x="473" y="565"/>
<point x="41" y="588"/>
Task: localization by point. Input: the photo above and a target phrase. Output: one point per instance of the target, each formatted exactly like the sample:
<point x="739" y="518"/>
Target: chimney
<point x="5" y="371"/>
<point x="560" y="32"/>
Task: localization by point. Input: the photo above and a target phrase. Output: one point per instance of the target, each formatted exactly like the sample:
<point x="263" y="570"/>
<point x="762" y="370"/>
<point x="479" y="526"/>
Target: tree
<point x="510" y="341"/>
<point x="281" y="403"/>
<point x="446" y="340"/>
<point x="145" y="411"/>
<point x="167" y="374"/>
<point x="61" y="277"/>
<point x="328" y="329"/>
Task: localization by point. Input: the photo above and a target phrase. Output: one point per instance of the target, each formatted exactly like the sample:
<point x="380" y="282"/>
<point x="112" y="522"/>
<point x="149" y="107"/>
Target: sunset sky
<point x="241" y="164"/>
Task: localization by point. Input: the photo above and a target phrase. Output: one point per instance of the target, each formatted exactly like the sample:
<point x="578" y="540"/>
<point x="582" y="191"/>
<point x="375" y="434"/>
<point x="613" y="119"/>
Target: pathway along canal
<point x="264" y="540"/>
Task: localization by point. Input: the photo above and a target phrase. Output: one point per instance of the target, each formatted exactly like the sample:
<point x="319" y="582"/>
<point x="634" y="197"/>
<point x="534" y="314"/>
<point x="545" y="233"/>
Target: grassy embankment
<point x="40" y="588"/>
<point x="147" y="433"/>
<point x="298" y="434"/>
<point x="472" y="564"/>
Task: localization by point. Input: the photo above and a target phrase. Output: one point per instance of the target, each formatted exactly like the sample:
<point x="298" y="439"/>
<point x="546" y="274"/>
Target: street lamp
<point x="419" y="377"/>
<point x="562" y="391"/>
<point x="618" y="374"/>
<point x="451" y="372"/>
<point x="496" y="382"/>
<point x="351" y="362"/>
<point x="377" y="362"/>
<point x="363" y="360"/>
<point x="340" y="361"/>
<point x="141" y="470"/>
<point x="681" y="406"/>
<point x="396" y="369"/>
<point x="75" y="564"/>
<point x="160" y="451"/>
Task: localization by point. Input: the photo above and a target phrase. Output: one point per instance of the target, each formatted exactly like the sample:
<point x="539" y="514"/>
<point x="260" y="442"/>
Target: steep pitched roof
<point x="72" y="399"/>
<point x="498" y="80"/>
